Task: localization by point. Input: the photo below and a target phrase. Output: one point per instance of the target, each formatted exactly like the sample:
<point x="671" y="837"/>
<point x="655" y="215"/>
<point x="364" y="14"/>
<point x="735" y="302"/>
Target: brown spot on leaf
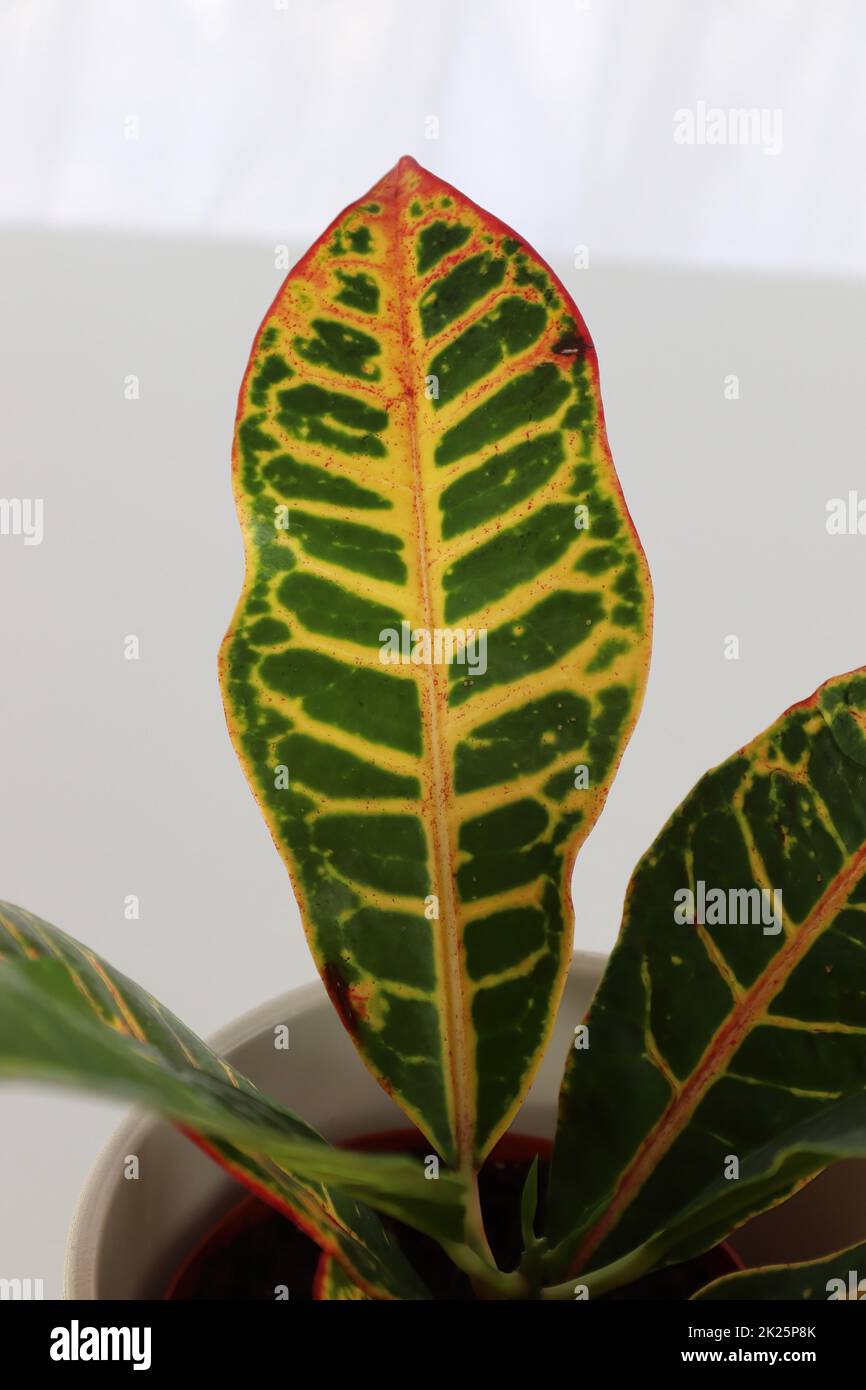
<point x="341" y="996"/>
<point x="569" y="345"/>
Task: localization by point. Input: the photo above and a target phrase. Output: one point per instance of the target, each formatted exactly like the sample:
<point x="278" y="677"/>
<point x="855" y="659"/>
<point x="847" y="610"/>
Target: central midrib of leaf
<point x="746" y="1011"/>
<point x="436" y="775"/>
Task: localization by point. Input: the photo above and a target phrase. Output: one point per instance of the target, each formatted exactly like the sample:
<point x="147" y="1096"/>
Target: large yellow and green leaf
<point x="723" y="1039"/>
<point x="420" y="442"/>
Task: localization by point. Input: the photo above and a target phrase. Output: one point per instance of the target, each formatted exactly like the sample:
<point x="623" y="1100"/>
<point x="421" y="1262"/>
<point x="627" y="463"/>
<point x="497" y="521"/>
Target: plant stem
<point x="476" y="1258"/>
<point x="600" y="1281"/>
<point x="488" y="1281"/>
<point x="476" y="1235"/>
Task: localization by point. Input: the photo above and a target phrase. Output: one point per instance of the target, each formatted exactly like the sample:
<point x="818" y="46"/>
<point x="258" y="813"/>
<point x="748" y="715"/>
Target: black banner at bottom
<point x="251" y="1338"/>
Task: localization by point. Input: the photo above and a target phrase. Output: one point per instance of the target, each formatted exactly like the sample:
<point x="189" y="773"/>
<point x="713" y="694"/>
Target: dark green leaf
<point x="710" y="1045"/>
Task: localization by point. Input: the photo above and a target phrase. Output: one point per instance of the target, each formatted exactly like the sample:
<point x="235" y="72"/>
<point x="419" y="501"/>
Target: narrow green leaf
<point x="711" y="1044"/>
<point x="529" y="1205"/>
<point x="836" y="1276"/>
<point x="68" y="1017"/>
<point x="772" y="1171"/>
<point x="769" y="1173"/>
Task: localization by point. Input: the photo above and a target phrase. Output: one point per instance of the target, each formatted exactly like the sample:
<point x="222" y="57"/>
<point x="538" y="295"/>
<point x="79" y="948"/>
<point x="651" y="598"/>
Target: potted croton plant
<point x="437" y="659"/>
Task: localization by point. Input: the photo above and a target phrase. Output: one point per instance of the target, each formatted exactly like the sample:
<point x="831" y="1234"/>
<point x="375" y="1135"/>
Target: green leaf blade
<point x="68" y="1017"/>
<point x="809" y="1281"/>
<point x="721" y="1040"/>
<point x="432" y="430"/>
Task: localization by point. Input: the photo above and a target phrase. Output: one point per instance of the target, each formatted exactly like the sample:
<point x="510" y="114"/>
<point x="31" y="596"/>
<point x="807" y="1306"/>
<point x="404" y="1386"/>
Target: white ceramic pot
<point x="128" y="1236"/>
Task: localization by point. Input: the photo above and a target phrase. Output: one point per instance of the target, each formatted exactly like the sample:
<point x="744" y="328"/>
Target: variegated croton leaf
<point x="442" y="641"/>
<point x="726" y="1057"/>
<point x="69" y="1017"/>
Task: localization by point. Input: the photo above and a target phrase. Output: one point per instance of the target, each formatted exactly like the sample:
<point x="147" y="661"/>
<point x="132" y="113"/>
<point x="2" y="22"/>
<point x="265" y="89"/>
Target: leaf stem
<point x="528" y="1206"/>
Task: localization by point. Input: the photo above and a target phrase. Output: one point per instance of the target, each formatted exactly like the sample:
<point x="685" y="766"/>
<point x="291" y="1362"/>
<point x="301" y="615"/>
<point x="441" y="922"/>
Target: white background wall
<point x="155" y="256"/>
<point x="256" y="115"/>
